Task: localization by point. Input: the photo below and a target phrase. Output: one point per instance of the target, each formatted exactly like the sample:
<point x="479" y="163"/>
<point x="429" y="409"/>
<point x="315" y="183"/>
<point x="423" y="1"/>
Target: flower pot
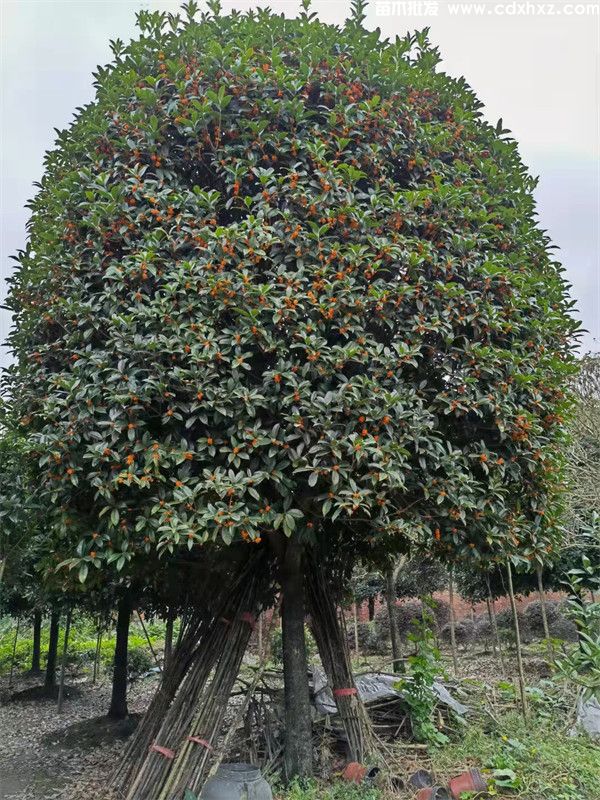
<point x="470" y="781"/>
<point x="236" y="782"/>
<point x="433" y="793"/>
<point x="421" y="779"/>
<point x="354" y="772"/>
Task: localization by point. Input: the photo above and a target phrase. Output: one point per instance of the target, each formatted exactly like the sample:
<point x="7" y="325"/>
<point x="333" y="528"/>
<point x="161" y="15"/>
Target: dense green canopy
<point x="279" y="274"/>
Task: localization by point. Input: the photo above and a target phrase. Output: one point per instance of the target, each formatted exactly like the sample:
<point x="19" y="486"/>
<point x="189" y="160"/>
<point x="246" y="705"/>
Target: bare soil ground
<point x="47" y="756"/>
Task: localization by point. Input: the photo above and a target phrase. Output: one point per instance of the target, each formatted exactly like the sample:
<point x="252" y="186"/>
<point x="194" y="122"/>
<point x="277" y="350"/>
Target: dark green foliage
<point x="280" y="275"/>
<point x="420" y="576"/>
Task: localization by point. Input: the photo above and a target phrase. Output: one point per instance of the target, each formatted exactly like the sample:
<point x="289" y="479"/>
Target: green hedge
<point x="82" y="647"/>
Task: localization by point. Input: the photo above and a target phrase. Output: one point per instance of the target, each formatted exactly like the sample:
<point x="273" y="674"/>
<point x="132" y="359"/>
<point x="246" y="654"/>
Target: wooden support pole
<point x="452" y="622"/>
<point x="542" y="594"/>
<point x="152" y="650"/>
<point x="14" y="653"/>
<point x="513" y="605"/>
<point x="63" y="666"/>
<point x="97" y="654"/>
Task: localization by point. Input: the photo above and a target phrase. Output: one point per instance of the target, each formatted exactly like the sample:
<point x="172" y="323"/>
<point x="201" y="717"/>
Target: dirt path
<point x="47" y="756"/>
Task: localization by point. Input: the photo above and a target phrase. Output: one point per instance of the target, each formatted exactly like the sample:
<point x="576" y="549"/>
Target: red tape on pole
<point x="203" y="742"/>
<point x="164" y="751"/>
<point x="349" y="692"/>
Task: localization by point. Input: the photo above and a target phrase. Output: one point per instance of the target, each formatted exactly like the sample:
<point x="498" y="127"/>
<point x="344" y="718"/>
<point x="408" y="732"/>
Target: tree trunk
<point x="63" y="666"/>
<point x="50" y="680"/>
<point x="390" y="599"/>
<point x="36" y="654"/>
<point x="371" y="604"/>
<point x="452" y="622"/>
<point x="118" y="702"/>
<point x="168" y="640"/>
<point x="513" y="605"/>
<point x="298" y="721"/>
<point x="542" y="594"/>
<point x="356" y="641"/>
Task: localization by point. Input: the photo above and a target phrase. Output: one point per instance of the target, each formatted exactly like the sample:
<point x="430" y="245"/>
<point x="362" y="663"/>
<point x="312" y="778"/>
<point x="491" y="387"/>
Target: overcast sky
<point x="536" y="65"/>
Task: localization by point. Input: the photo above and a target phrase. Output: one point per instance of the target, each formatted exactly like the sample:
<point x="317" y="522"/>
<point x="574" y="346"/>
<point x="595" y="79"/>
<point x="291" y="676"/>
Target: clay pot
<point x="354" y="772"/>
<point x="470" y="781"/>
<point x="421" y="779"/>
<point x="236" y="782"/>
<point x="433" y="793"/>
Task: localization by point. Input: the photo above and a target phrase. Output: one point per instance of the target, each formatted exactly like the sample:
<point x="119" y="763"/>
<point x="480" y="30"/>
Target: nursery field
<point x="46" y="755"/>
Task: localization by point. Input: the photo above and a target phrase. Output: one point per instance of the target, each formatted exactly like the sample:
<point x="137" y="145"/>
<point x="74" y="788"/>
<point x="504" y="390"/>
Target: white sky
<point x="536" y="65"/>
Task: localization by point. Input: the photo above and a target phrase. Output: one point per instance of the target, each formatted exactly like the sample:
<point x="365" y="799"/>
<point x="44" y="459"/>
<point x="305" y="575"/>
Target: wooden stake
<point x="452" y="622"/>
<point x="513" y="605"/>
<point x="63" y="666"/>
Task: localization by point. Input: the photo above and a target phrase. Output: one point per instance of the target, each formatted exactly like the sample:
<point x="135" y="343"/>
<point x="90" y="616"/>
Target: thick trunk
<point x="118" y="702"/>
<point x="36" y="654"/>
<point x="390" y="598"/>
<point x="50" y="680"/>
<point x="371" y="603"/>
<point x="298" y="721"/>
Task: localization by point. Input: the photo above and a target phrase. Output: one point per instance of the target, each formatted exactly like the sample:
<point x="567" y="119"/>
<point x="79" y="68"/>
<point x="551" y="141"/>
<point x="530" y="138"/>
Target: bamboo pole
<point x="494" y="623"/>
<point x="190" y="702"/>
<point x="264" y="661"/>
<point x="260" y="635"/>
<point x="168" y="649"/>
<point x="452" y="622"/>
<point x="517" y="640"/>
<point x="63" y="666"/>
<point x="14" y="653"/>
<point x="328" y="627"/>
<point x="390" y="597"/>
<point x="155" y="657"/>
<point x="542" y="595"/>
<point x="97" y="654"/>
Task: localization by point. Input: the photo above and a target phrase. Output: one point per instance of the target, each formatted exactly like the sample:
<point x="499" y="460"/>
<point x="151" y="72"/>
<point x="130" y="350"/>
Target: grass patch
<point x="546" y="762"/>
<point x="318" y="790"/>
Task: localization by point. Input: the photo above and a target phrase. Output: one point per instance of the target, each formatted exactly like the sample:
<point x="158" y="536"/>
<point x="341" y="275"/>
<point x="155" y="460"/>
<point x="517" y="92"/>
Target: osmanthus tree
<point x="282" y="277"/>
